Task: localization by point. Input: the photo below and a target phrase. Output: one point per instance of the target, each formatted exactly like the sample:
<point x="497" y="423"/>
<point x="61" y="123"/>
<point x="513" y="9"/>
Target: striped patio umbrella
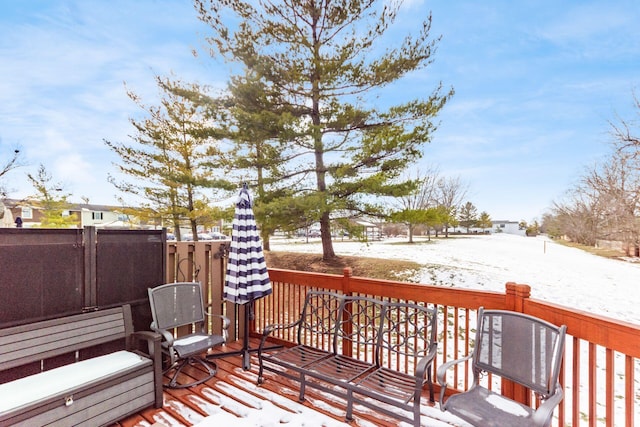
<point x="247" y="278"/>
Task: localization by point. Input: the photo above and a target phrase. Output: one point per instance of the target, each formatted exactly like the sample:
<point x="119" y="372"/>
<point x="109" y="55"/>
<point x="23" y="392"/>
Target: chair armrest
<point x="425" y="362"/>
<point x="166" y="335"/>
<point x="226" y="322"/>
<point x="441" y="375"/>
<point x="544" y="412"/>
<point x="268" y="329"/>
<point x="279" y="326"/>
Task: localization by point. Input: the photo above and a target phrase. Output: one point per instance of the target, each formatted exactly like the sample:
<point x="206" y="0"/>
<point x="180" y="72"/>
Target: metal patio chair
<point x="516" y="347"/>
<point x="180" y="304"/>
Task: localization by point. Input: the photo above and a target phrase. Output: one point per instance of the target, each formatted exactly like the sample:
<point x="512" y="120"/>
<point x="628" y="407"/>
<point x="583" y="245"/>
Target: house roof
<point x="15" y="203"/>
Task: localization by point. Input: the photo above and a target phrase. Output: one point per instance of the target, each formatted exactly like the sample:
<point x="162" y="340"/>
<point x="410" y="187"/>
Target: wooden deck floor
<point x="232" y="398"/>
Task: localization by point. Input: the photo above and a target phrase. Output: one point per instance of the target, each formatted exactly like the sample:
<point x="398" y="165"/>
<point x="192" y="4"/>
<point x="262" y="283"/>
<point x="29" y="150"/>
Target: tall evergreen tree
<point x="468" y="215"/>
<point x="329" y="62"/>
<point x="484" y="221"/>
<point x="257" y="123"/>
<point x="171" y="160"/>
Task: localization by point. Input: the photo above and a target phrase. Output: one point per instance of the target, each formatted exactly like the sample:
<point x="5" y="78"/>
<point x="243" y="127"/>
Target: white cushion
<point x="23" y="391"/>
<point x="190" y="339"/>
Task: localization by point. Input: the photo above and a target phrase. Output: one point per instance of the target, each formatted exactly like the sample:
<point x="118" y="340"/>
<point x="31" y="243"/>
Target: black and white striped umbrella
<point x="247" y="278"/>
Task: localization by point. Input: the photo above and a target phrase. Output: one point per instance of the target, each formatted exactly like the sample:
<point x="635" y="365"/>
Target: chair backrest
<point x="318" y="318"/>
<point x="176" y="304"/>
<point x="408" y="332"/>
<point x="357" y="332"/>
<point x="521" y="348"/>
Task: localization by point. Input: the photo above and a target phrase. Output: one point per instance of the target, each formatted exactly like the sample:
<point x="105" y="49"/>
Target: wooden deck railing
<point x="601" y="370"/>
<point x="602" y="357"/>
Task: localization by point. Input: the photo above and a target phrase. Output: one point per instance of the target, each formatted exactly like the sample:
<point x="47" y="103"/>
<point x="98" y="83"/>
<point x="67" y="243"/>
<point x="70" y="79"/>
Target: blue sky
<point x="537" y="83"/>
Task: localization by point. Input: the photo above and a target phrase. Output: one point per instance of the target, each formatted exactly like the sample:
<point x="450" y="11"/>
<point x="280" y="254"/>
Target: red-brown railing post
<point x="347" y="273"/>
<point x="515" y="296"/>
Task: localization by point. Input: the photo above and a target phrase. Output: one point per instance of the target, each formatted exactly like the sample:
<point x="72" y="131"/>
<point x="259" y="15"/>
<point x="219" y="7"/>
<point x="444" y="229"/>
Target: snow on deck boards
<point x="232" y="398"/>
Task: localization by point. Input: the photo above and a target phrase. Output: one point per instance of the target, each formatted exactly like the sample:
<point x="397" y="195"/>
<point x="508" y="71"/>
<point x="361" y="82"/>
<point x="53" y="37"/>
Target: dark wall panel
<point x="41" y="274"/>
<point x="52" y="272"/>
<point x="128" y="262"/>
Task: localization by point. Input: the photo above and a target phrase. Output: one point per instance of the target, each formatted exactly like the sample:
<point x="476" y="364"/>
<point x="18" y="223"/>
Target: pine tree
<point x="258" y="123"/>
<point x="468" y="215"/>
<point x="484" y="221"/>
<point x="329" y="63"/>
<point x="172" y="159"/>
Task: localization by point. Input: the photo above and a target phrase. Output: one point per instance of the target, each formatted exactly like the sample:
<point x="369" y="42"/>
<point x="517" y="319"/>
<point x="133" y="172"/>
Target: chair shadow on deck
<point x="177" y="305"/>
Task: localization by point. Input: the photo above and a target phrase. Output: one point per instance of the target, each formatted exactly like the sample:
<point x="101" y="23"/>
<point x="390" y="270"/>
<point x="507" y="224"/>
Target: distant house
<point x="510" y="227"/>
<point x="23" y="212"/>
<point x="30" y="214"/>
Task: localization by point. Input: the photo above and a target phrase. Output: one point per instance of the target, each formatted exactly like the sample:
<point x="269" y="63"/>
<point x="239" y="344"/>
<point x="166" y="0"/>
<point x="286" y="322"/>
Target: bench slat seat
<point x="299" y="356"/>
<point x="393" y="385"/>
<point x="339" y="369"/>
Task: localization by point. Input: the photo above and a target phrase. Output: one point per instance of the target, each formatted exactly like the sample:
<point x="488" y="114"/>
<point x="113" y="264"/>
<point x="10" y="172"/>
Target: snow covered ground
<point x="556" y="273"/>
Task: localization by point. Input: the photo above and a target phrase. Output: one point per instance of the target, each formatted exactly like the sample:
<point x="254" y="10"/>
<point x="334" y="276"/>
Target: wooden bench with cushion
<point x="95" y="391"/>
<point x="373" y="353"/>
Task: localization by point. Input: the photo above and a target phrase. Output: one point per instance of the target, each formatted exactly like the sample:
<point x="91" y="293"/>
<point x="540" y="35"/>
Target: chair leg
<point x="431" y="394"/>
<point x="349" y="414"/>
<point x="210" y="367"/>
<point x="303" y="385"/>
<point x="260" y="371"/>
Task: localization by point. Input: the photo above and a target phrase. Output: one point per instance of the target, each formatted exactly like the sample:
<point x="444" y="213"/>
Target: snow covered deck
<point x="233" y="399"/>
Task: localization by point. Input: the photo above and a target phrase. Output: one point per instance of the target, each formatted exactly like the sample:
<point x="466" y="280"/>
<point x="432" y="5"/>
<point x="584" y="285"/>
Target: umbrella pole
<point x="245" y="351"/>
<point x="246" y="356"/>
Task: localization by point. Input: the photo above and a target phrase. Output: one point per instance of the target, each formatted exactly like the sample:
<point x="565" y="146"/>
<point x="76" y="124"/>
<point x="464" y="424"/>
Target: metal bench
<point x="78" y="390"/>
<point x="361" y="349"/>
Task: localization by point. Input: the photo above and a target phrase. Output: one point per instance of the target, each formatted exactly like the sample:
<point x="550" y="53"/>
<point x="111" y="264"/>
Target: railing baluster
<point x="593" y="404"/>
<point x="576" y="416"/>
<point x="608" y="401"/>
<point x="630" y="395"/>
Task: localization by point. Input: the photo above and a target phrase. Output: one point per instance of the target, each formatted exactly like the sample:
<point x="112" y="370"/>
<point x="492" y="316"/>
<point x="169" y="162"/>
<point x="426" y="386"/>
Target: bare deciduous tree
<point x="412" y="208"/>
<point x="605" y="203"/>
<point x="13" y="162"/>
<point x="450" y="194"/>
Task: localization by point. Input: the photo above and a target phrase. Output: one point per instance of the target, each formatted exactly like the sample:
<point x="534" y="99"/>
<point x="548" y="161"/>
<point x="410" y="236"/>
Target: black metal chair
<point x="517" y="347"/>
<point x="175" y="305"/>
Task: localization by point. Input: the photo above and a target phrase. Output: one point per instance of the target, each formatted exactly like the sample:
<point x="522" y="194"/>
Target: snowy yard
<point x="556" y="273"/>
